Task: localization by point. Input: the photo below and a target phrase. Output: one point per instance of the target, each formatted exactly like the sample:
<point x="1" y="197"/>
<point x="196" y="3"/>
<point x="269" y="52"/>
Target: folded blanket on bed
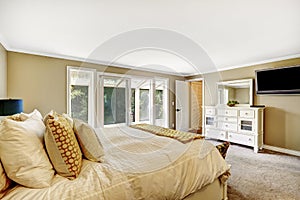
<point x="223" y="148"/>
<point x="181" y="136"/>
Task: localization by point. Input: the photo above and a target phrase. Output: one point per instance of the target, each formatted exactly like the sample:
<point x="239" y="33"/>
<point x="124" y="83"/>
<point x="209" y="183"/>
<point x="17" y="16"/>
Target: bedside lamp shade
<point x="10" y="106"/>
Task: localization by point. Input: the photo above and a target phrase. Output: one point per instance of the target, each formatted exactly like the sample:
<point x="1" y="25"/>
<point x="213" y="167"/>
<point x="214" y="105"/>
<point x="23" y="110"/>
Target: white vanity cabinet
<point x="242" y="125"/>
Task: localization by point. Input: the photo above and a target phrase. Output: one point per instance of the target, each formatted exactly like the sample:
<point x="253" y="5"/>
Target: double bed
<point x="140" y="165"/>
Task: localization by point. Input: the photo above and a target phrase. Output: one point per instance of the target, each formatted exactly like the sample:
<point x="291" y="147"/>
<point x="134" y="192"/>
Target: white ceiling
<point x="170" y="36"/>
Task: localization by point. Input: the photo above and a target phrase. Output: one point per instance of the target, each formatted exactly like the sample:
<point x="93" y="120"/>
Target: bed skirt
<point x="217" y="190"/>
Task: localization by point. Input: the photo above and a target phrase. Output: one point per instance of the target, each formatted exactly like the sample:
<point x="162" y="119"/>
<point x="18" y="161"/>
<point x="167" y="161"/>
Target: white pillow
<point x="90" y="144"/>
<point x="22" y="153"/>
<point x="5" y="183"/>
<point x="34" y="114"/>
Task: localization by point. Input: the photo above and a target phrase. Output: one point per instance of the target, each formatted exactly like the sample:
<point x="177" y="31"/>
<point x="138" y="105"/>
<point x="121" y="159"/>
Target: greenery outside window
<point x="80" y="92"/>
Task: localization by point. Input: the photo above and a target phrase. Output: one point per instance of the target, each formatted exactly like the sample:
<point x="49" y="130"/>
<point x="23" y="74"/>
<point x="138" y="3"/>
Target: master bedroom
<point x="146" y="99"/>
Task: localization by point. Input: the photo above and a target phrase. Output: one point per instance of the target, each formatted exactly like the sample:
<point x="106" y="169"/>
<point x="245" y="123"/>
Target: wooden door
<point x="196" y="106"/>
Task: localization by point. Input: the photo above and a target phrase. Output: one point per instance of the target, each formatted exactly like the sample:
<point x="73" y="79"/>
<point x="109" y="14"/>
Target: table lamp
<point x="10" y="106"/>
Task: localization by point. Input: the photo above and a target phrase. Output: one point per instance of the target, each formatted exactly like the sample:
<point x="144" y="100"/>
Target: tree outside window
<point x="79" y="102"/>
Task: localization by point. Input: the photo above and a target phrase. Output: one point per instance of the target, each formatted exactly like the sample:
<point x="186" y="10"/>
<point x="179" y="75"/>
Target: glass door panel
<point x="141" y="100"/>
<point x="161" y="102"/>
<point x="114" y="100"/>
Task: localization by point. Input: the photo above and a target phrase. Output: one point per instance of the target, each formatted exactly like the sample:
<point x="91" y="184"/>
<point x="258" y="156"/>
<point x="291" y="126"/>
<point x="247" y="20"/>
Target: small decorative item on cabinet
<point x="232" y="103"/>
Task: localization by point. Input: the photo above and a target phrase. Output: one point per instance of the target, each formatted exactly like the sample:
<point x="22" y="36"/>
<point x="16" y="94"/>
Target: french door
<point x="131" y="100"/>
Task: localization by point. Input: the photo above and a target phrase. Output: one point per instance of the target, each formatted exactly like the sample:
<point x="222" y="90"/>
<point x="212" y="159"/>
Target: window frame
<point x="100" y="103"/>
<point x="91" y="91"/>
<point x="96" y="95"/>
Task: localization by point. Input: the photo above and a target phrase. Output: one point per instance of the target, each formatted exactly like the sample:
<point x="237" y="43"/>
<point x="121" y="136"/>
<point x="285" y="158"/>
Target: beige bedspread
<point x="137" y="165"/>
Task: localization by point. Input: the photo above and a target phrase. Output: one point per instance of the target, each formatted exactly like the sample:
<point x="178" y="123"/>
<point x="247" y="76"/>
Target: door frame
<point x="203" y="96"/>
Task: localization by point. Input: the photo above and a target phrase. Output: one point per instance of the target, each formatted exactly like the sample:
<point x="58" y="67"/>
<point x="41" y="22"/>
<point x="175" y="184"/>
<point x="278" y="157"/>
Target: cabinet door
<point x="210" y="121"/>
<point x="246" y="125"/>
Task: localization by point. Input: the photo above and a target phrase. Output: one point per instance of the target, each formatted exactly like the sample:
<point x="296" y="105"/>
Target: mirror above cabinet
<point x="234" y="91"/>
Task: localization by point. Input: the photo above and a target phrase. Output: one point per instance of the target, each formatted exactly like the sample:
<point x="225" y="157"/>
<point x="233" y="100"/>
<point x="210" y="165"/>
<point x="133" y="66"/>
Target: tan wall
<point x="3" y="72"/>
<point x="41" y="81"/>
<point x="282" y="113"/>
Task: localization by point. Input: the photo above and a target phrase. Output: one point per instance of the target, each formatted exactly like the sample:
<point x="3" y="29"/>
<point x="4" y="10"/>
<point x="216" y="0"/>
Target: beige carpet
<point x="262" y="176"/>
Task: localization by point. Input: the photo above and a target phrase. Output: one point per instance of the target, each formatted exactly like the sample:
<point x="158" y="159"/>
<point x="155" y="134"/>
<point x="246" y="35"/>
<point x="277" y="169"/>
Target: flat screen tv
<point x="283" y="80"/>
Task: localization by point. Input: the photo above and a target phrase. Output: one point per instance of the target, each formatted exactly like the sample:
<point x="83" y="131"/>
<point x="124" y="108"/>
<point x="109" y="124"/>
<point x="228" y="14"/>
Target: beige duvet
<point x="137" y="165"/>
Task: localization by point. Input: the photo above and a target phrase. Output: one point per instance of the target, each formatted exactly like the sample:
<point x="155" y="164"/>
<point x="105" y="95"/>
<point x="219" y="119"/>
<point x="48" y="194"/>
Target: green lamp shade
<point x="10" y="106"/>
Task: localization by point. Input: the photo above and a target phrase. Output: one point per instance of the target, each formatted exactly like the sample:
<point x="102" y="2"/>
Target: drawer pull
<point x="250" y="139"/>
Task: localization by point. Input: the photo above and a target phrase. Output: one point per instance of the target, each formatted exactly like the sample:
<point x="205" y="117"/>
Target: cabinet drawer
<point x="210" y="111"/>
<point x="241" y="138"/>
<point x="228" y="126"/>
<point x="216" y="134"/>
<point x="227" y="119"/>
<point x="247" y="113"/>
<point x="228" y="112"/>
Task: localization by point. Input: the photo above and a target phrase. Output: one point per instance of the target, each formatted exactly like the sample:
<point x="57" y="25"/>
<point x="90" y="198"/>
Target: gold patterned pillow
<point x="62" y="147"/>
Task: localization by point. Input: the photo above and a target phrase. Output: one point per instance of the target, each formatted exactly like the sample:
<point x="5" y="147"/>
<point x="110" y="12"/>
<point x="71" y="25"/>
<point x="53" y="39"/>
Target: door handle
<point x="177" y="110"/>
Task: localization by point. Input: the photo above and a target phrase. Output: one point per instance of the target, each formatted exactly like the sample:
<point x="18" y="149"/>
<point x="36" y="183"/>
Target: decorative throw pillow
<point x="90" y="145"/>
<point x="62" y="147"/>
<point x="22" y="153"/>
<point x="49" y="115"/>
<point x="223" y="148"/>
<point x="5" y="182"/>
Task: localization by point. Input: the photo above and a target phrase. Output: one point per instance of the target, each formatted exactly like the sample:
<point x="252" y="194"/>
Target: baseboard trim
<point x="282" y="150"/>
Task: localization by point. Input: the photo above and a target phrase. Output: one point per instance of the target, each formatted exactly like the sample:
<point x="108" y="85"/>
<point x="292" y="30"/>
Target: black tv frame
<point x="278" y="91"/>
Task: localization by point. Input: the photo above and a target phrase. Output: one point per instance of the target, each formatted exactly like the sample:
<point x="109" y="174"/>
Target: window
<point x="119" y="99"/>
<point x="161" y="102"/>
<point x="114" y="100"/>
<point x="144" y="101"/>
<point x="159" y="107"/>
<point x="132" y="106"/>
<point x="79" y="102"/>
<point x="80" y="93"/>
<point x="140" y="100"/>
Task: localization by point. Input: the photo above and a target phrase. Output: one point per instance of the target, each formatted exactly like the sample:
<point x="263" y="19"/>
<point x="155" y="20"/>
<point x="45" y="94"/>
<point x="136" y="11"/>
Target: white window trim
<point x="96" y="105"/>
<point x="91" y="97"/>
<point x="100" y="111"/>
<point x="100" y="103"/>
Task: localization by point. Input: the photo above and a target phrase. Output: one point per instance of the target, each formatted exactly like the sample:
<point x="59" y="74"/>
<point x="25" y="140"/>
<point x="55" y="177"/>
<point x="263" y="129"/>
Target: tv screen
<point x="284" y="80"/>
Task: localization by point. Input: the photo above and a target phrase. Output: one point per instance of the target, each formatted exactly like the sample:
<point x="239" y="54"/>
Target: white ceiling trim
<point x="141" y="68"/>
<point x="260" y="62"/>
<point x="91" y="61"/>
